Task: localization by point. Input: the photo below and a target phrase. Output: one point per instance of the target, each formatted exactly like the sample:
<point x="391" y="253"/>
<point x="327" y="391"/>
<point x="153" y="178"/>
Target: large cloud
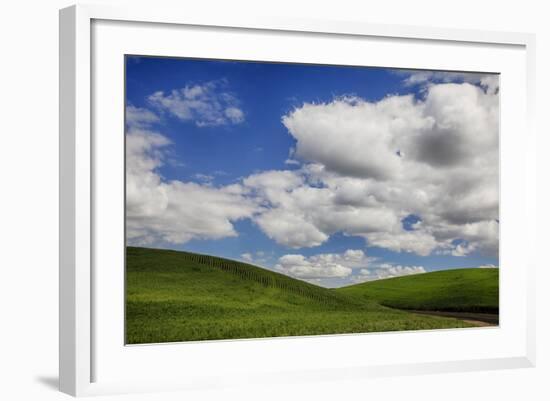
<point x="173" y="211"/>
<point x="298" y="213"/>
<point x="302" y="213"/>
<point x="353" y="137"/>
<point x="456" y="124"/>
<point x="368" y="165"/>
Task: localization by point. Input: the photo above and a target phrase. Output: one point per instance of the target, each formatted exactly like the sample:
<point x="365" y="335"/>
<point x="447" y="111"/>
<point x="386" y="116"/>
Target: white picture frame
<point x="85" y="329"/>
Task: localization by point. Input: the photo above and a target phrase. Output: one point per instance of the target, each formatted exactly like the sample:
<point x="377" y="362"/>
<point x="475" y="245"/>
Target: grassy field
<point x="461" y="290"/>
<point x="179" y="296"/>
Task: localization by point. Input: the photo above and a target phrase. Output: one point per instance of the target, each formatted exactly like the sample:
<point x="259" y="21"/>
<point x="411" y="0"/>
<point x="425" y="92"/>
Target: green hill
<point x="181" y="296"/>
<point x="459" y="290"/>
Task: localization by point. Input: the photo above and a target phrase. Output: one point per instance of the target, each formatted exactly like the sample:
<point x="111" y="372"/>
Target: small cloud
<point x="209" y="177"/>
<point x="325" y="265"/>
<point x="463" y="249"/>
<point x="258" y="258"/>
<point x="386" y="270"/>
<point x="175" y="162"/>
<point x="488" y="266"/>
<point x="138" y="117"/>
<point x="207" y="104"/>
<point x="203" y="177"/>
<point x="234" y="114"/>
<point x="490" y="82"/>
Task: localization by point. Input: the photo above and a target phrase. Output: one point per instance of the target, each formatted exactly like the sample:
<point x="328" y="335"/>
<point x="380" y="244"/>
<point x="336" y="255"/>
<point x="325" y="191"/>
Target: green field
<point x="461" y="290"/>
<point x="180" y="296"/>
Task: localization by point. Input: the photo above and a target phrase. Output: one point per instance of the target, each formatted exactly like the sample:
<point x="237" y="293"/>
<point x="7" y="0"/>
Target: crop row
<point x="269" y="279"/>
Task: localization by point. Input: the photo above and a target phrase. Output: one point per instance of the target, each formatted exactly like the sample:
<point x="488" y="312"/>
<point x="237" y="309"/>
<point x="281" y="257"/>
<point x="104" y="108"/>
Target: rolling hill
<point x="180" y="296"/>
<point x="459" y="290"/>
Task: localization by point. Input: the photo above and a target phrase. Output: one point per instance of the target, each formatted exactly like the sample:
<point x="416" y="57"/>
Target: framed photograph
<point x="356" y="199"/>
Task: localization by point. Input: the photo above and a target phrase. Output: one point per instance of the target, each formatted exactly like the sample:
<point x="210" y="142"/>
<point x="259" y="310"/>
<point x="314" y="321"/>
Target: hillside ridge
<point x="260" y="275"/>
<point x="181" y="296"/>
<point x="453" y="290"/>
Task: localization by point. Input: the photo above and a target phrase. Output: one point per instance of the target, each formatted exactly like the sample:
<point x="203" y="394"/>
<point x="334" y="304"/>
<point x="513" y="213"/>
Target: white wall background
<point x="29" y="185"/>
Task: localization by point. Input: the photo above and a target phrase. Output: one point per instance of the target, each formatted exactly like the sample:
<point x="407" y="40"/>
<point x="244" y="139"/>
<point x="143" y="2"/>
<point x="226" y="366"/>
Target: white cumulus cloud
<point x="322" y="266"/>
<point x="174" y="211"/>
<point x="368" y="165"/>
<point x="386" y="270"/>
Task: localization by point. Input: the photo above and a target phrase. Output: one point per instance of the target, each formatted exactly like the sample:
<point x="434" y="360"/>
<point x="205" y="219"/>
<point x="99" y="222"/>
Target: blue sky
<point x="211" y="125"/>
